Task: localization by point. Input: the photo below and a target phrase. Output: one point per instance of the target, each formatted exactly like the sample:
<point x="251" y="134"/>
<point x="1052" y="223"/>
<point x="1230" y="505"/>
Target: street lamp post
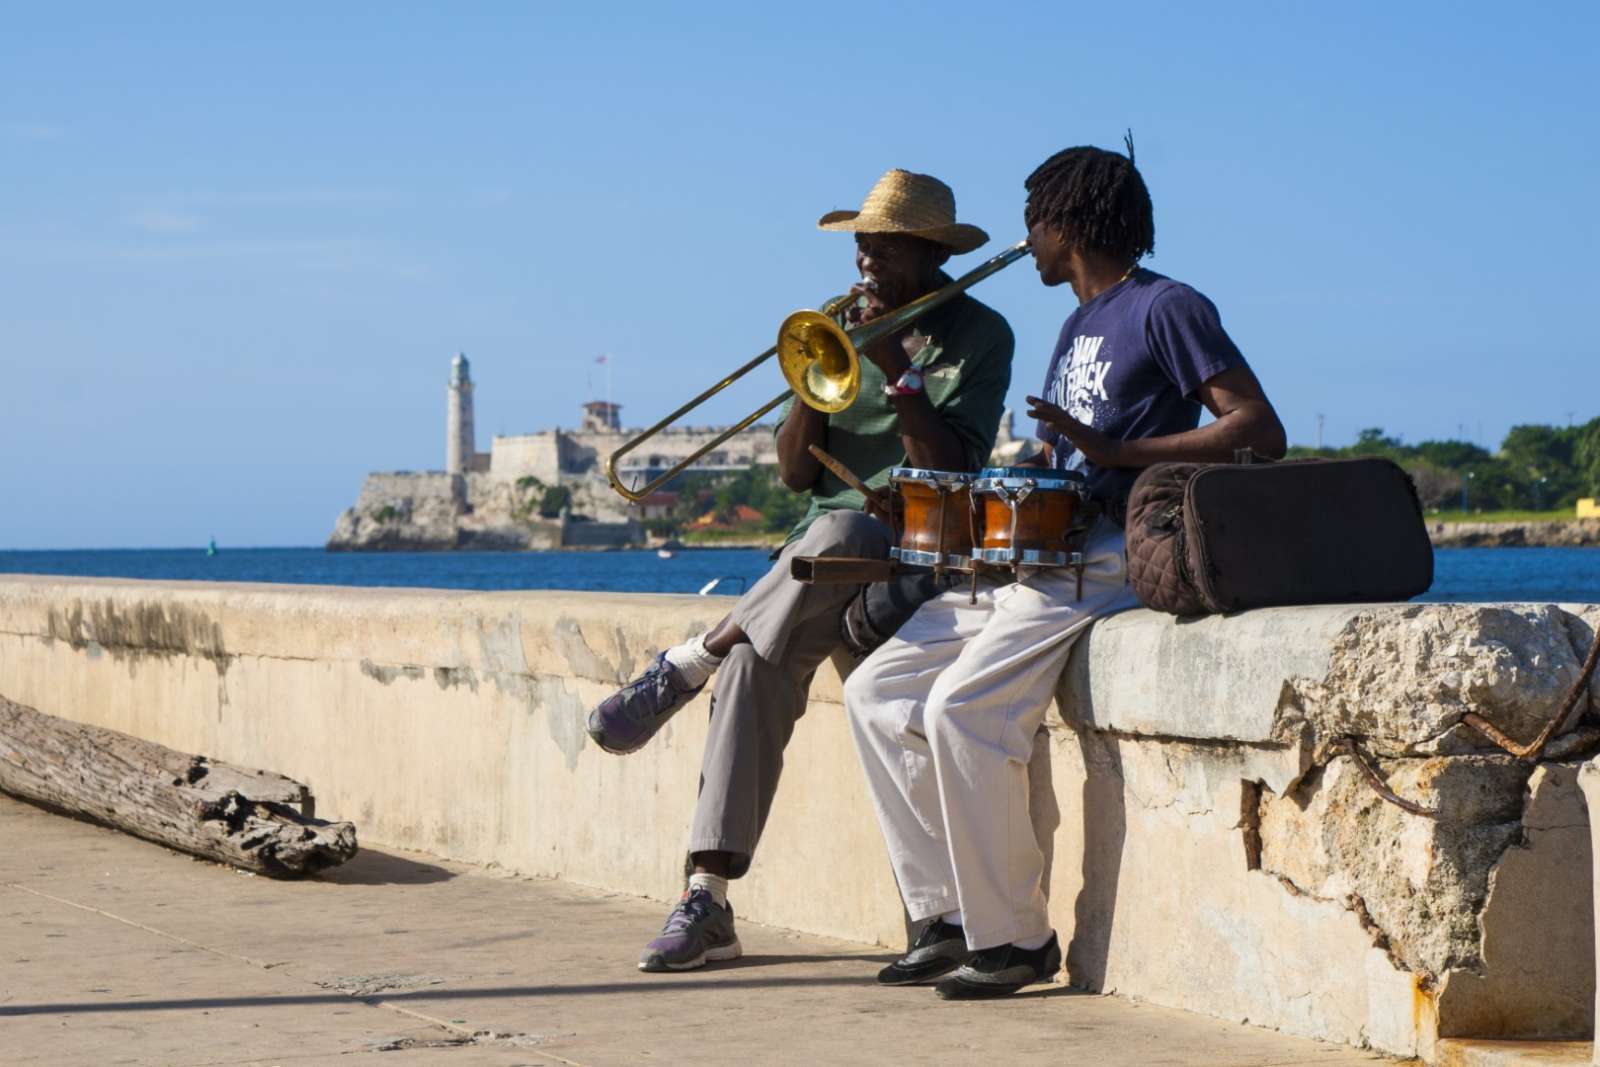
<point x="1464" y="483"/>
<point x="1538" y="493"/>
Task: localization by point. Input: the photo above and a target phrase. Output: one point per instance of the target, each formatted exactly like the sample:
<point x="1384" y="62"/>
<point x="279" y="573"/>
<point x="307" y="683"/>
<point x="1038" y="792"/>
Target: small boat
<point x="211" y="548"/>
<point x="665" y="553"/>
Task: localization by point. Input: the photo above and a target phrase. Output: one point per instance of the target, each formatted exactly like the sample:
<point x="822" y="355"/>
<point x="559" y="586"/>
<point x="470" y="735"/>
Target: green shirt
<point x="966" y="369"/>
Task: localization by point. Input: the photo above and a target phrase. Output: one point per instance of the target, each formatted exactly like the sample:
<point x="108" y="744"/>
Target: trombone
<point x="819" y="359"/>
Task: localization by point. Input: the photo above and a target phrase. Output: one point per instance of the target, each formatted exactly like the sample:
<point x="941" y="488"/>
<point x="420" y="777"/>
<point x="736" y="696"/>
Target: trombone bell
<point x="818" y="361"/>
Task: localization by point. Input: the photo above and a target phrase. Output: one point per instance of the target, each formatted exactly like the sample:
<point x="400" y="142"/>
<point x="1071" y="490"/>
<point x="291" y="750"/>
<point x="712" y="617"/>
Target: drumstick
<point x="842" y="472"/>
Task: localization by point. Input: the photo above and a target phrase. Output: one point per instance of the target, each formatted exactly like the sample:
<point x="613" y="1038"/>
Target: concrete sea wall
<point x="1214" y="843"/>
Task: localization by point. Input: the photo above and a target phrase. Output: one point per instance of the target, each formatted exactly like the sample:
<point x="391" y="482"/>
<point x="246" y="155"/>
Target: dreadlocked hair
<point x="1095" y="199"/>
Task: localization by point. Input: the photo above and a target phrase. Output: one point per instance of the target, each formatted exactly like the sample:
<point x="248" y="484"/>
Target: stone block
<point x="1529" y="980"/>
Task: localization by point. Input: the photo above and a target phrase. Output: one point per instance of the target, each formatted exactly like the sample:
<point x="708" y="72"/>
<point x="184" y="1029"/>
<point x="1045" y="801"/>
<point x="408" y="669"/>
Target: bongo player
<point x="944" y="713"/>
<point x="930" y="396"/>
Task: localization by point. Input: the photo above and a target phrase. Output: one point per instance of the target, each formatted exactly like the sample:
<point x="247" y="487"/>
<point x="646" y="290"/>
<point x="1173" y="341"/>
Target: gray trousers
<point x="761" y="688"/>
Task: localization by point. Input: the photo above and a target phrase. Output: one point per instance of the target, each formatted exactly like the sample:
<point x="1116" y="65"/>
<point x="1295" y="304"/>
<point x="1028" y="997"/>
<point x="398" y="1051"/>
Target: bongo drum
<point x="1026" y="515"/>
<point x="932" y="517"/>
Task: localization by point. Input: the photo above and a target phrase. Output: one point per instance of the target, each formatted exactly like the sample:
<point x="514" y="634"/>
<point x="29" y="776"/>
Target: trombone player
<point x="930" y="396"/>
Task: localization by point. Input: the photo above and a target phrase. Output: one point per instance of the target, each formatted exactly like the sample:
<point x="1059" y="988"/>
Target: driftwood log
<point x="234" y="814"/>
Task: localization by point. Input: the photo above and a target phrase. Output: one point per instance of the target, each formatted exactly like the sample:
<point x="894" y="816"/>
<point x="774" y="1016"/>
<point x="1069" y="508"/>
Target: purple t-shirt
<point x="1129" y="363"/>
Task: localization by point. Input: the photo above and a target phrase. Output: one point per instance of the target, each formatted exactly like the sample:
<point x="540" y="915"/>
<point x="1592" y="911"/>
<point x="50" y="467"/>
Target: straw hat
<point x="903" y="202"/>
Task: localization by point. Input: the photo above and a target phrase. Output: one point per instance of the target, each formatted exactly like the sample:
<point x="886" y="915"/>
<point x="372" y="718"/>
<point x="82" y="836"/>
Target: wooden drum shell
<point x="918" y="522"/>
<point x="1044" y="520"/>
<point x="1045" y="508"/>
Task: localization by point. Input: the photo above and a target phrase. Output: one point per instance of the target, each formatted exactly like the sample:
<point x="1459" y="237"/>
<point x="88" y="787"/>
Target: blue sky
<point x="237" y="250"/>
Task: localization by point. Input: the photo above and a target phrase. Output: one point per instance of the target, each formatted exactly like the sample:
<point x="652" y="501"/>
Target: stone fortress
<point x="538" y="490"/>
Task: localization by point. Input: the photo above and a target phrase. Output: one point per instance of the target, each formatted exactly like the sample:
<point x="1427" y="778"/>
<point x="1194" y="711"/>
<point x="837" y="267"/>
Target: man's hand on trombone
<point x="892" y="354"/>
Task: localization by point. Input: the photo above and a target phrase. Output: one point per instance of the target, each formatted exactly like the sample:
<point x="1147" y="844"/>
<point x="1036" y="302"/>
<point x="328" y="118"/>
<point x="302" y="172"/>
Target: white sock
<point x="714" y="884"/>
<point x="952" y="917"/>
<point x="1031" y="943"/>
<point x="693" y="661"/>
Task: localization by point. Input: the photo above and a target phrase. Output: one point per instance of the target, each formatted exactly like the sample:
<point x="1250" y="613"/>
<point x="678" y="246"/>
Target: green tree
<point x="1451" y="455"/>
<point x="1535" y="467"/>
<point x="1374" y="442"/>
<point x="1586" y="459"/>
<point x="554" y="499"/>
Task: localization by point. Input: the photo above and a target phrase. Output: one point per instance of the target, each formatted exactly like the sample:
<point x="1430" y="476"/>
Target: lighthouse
<point x="460" y="441"/>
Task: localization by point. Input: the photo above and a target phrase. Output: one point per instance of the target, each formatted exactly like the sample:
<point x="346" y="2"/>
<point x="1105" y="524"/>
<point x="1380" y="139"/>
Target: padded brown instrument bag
<point x="1217" y="537"/>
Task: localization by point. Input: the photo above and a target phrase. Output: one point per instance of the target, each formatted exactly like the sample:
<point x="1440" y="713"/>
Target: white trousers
<point x="944" y="716"/>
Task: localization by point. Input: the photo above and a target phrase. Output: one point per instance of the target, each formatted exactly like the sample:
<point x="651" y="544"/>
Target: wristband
<point x="908" y="384"/>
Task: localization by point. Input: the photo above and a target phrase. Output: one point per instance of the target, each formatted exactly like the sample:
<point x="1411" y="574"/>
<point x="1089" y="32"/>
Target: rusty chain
<point x="1375" y="780"/>
<point x="1532" y="749"/>
<point x="1488" y="729"/>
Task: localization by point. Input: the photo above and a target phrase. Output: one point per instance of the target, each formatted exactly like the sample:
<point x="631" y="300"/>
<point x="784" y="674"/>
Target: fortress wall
<point x="526" y="455"/>
<point x="385" y="487"/>
<point x="601" y="534"/>
<point x="1213" y="846"/>
<point x="750" y="447"/>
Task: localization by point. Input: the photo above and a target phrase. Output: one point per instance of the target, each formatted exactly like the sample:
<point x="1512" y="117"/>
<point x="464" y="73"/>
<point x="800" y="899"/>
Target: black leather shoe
<point x="938" y="950"/>
<point x="1001" y="971"/>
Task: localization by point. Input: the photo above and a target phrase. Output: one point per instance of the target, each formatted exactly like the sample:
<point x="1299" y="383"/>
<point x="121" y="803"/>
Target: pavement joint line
<point x="280" y="968"/>
<point x="543" y="1058"/>
<point x="296" y="1057"/>
<point x="446" y="1024"/>
<point x="261" y="964"/>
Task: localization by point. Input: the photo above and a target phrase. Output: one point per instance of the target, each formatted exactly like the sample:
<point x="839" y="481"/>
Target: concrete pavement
<point x="113" y="950"/>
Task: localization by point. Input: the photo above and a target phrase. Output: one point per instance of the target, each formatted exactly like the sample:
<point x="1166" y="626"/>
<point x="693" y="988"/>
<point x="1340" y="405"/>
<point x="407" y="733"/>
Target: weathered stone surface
<point x="1402" y="678"/>
<point x="1532" y="980"/>
<point x="1217" y="678"/>
<point x="1152" y="876"/>
<point x="1420" y="882"/>
<point x="1399" y="676"/>
<point x="1583" y="624"/>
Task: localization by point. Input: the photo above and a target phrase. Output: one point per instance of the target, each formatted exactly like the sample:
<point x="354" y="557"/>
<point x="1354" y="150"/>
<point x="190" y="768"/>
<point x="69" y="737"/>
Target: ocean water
<point x="1460" y="574"/>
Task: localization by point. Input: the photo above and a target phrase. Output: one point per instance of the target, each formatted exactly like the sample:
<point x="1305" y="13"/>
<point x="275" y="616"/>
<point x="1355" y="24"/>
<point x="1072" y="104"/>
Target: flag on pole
<point x="600" y="359"/>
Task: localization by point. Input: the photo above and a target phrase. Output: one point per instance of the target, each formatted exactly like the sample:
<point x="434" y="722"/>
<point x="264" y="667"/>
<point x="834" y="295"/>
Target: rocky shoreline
<point x="1559" y="533"/>
<point x="435" y="513"/>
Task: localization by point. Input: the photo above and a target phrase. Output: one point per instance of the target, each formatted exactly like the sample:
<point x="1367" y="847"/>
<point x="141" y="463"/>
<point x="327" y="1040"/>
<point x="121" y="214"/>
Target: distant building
<point x="602" y="416"/>
<point x="485" y="499"/>
<point x="559" y="456"/>
<point x="460" y="438"/>
<point x="1588" y="508"/>
<point x="658" y="505"/>
<point x="1010" y="449"/>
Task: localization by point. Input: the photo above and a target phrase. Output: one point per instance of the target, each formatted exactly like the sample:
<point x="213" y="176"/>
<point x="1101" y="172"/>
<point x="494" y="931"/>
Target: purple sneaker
<point x="699" y="929"/>
<point x="626" y="719"/>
